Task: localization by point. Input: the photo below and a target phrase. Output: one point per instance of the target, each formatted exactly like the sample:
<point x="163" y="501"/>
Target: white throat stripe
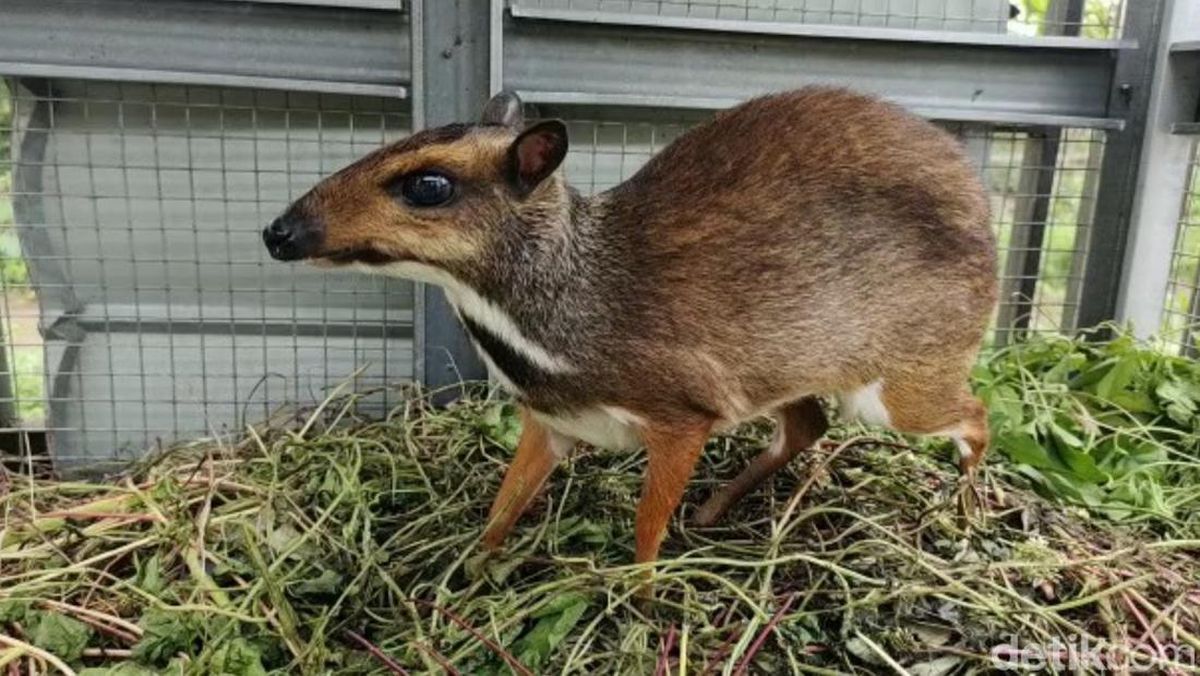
<point x="468" y="301"/>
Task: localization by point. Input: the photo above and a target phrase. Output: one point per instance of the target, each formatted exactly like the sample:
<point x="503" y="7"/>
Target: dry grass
<point x="318" y="543"/>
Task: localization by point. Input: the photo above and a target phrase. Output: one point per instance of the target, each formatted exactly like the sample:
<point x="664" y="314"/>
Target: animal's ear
<point x="536" y="153"/>
<point x="504" y="109"/>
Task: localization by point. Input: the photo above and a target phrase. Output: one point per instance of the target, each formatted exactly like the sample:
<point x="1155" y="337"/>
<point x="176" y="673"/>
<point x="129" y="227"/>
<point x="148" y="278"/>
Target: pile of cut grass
<point x="319" y="543"/>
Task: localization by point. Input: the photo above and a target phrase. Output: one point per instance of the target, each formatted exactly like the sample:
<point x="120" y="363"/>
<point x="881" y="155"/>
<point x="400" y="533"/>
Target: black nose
<point x="290" y="237"/>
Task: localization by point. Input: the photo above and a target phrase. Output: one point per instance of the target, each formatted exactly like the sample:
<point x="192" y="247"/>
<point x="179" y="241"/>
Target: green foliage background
<point x="25" y="361"/>
<point x="1100" y="17"/>
<point x="12" y="266"/>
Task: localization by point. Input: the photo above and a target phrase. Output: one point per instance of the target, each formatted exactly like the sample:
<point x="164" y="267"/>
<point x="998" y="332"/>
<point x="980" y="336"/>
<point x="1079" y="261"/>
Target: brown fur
<point x="800" y="425"/>
<point x="806" y="243"/>
<point x="672" y="450"/>
<point x="534" y="461"/>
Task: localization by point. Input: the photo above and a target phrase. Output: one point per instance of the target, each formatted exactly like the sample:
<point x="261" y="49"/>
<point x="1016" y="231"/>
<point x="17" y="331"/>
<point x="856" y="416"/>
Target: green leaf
<point x="165" y="633"/>
<point x="1024" y="448"/>
<point x="556" y="619"/>
<point x="64" y="637"/>
<point x="1006" y="407"/>
<point x="13" y="611"/>
<point x="1083" y="466"/>
<point x="502" y="425"/>
<point x="1181" y="405"/>
<point x="325" y="583"/>
<point x="1135" y="402"/>
<point x="279" y="539"/>
<point x="150" y="577"/>
<point x="1119" y="377"/>
<point x="1061" y="372"/>
<point x="1065" y="436"/>
<point x="238" y="657"/>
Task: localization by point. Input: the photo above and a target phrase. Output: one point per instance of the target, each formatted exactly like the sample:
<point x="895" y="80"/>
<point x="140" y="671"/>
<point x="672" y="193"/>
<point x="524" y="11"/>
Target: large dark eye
<point x="426" y="189"/>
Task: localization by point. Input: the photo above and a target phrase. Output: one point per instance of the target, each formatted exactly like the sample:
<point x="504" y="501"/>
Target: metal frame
<point x="450" y="55"/>
<point x="832" y="31"/>
<point x="573" y="56"/>
<point x="453" y="46"/>
<point x="333" y="47"/>
<point x="1162" y="172"/>
<point x="1130" y="97"/>
<point x="582" y="57"/>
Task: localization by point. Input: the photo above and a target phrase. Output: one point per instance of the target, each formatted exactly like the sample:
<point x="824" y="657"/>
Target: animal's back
<point x="830" y="231"/>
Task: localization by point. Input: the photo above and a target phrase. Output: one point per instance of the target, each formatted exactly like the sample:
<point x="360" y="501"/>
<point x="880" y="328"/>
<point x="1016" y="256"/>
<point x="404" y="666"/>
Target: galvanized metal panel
<point x="205" y="41"/>
<point x="156" y="295"/>
<point x="965" y="15"/>
<point x="1129" y="97"/>
<point x="394" y="5"/>
<point x="1162" y="183"/>
<point x="580" y="62"/>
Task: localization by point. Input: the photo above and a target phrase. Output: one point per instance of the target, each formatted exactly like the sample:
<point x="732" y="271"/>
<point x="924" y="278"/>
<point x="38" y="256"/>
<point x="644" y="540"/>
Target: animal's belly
<point x="603" y="426"/>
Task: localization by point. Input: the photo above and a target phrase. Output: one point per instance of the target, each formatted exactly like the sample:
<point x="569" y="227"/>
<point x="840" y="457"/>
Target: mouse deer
<point x="811" y="243"/>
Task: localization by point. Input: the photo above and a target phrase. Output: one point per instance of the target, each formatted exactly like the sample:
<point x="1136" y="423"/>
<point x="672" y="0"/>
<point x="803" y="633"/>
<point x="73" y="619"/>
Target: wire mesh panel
<point x="1181" y="319"/>
<point x="1042" y="184"/>
<point x="605" y="150"/>
<point x="142" y="306"/>
<point x="1088" y="18"/>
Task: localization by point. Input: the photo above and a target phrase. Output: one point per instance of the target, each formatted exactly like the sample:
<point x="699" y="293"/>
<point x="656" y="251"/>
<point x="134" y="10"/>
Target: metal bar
<point x="1191" y="336"/>
<point x="416" y="42"/>
<point x="1142" y="188"/>
<point x="944" y="113"/>
<point x="207" y="41"/>
<point x="398" y="331"/>
<point x="1083" y="235"/>
<point x="1048" y="142"/>
<point x="831" y="31"/>
<point x="43" y="70"/>
<point x="654" y="65"/>
<point x="8" y="380"/>
<point x="496" y="47"/>
<point x="394" y="5"/>
<point x="452" y="45"/>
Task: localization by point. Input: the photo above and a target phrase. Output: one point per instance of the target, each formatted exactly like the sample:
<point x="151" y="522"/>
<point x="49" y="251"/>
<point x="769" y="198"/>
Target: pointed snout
<point x="293" y="236"/>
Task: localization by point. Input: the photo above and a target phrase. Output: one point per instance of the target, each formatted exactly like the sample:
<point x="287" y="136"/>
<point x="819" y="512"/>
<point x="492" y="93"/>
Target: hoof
<point x="970" y="501"/>
<point x="710" y="512"/>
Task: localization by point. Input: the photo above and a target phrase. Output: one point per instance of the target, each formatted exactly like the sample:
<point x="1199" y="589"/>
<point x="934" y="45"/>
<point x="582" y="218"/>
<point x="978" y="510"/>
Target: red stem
<point x="378" y="654"/>
<point x="664" y="654"/>
<point x="762" y="635"/>
<point x="492" y="645"/>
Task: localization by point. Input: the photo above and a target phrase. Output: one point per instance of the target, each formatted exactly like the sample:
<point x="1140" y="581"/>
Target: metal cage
<point x="139" y="308"/>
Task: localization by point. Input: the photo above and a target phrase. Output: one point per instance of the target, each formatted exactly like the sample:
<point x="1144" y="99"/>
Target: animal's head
<point x="439" y="196"/>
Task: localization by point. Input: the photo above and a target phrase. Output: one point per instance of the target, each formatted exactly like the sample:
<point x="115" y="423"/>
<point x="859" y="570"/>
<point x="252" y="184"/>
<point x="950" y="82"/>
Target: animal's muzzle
<point x="292" y="236"/>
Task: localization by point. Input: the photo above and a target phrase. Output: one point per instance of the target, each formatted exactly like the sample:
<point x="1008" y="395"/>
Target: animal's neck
<point x="539" y="300"/>
<point x="548" y="271"/>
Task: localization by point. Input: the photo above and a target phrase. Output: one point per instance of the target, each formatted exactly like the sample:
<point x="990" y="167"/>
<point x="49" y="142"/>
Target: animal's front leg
<point x="538" y="453"/>
<point x="672" y="450"/>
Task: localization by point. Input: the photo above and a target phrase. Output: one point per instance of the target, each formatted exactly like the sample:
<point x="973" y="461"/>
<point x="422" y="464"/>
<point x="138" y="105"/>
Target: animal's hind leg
<point x="929" y="408"/>
<point x="799" y="425"/>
